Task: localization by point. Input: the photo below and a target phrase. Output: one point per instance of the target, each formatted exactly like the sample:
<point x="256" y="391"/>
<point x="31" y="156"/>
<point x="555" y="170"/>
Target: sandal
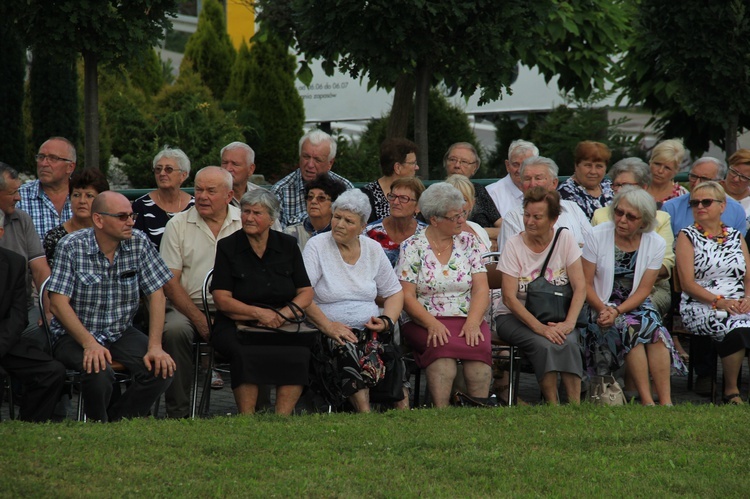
<point x="216" y="382"/>
<point x="732" y="399"/>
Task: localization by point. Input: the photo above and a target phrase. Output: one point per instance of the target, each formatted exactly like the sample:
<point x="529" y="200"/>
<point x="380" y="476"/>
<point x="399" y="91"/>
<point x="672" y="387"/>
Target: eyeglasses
<point x="737" y="174"/>
<point x="122" y="217"/>
<point x="412" y="163"/>
<point x="452" y="160"/>
<point x="401" y="199"/>
<point x="455" y="218"/>
<point x="701" y="179"/>
<point x="694" y="203"/>
<point x="621" y="213"/>
<point x="617" y="185"/>
<point x="167" y="169"/>
<point x="52" y="158"/>
<point x="319" y="198"/>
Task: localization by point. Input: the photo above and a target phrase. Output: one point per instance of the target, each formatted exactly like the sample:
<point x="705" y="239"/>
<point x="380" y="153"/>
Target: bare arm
<point x="437" y="333"/>
<point x="161" y="360"/>
<point x="341" y="333"/>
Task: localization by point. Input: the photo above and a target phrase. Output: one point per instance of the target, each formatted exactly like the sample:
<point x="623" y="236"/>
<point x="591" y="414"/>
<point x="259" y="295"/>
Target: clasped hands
<point x="734" y="307"/>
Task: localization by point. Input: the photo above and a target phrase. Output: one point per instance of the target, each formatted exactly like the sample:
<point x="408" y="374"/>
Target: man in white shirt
<point x="541" y="171"/>
<point x="506" y="193"/>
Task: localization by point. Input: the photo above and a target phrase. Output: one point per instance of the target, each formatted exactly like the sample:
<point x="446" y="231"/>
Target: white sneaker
<point x="216" y="382"/>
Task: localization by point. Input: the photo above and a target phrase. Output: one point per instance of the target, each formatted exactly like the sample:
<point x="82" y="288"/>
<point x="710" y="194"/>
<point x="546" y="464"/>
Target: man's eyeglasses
<point x="452" y="160"/>
<point x="401" y="199"/>
<point x="694" y="203"/>
<point x="738" y="175"/>
<point x="122" y="217"/>
<point x="455" y="218"/>
<point x="52" y="158"/>
<point x="319" y="198"/>
<point x="701" y="179"/>
<point x="166" y="169"/>
<point x="621" y="213"/>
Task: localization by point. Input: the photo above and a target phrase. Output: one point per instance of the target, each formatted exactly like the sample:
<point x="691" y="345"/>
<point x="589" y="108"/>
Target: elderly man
<point x="94" y="290"/>
<point x="703" y="170"/>
<point x="46" y="199"/>
<point x="317" y="152"/>
<point x="462" y="159"/>
<point x="189" y="248"/>
<point x="542" y="172"/>
<point x="41" y="376"/>
<point x="737" y="182"/>
<point x="20" y="237"/>
<point x="507" y="192"/>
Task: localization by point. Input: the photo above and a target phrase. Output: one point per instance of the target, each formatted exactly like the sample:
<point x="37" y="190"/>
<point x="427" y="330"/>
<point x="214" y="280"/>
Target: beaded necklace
<point x="719" y="238"/>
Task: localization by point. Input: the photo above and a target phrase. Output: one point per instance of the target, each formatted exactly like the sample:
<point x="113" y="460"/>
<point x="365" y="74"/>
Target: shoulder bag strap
<point x="552" y="248"/>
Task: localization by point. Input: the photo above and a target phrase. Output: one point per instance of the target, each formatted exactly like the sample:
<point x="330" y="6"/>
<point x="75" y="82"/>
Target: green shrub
<point x="145" y="71"/>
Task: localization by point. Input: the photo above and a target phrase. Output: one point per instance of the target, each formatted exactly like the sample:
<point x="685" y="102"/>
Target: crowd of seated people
<point x="393" y="261"/>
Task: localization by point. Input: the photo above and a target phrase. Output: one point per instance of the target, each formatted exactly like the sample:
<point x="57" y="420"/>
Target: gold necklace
<point x="440" y="251"/>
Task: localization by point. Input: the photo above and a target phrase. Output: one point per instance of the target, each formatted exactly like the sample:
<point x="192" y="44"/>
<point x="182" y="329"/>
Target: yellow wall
<point x="240" y="21"/>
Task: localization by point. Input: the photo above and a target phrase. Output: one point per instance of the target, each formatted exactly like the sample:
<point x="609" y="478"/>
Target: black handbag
<point x="391" y="387"/>
<point x="296" y="332"/>
<point x="548" y="302"/>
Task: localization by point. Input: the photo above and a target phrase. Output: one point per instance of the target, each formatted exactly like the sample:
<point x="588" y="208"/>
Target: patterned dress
<point x="573" y="191"/>
<point x="720" y="269"/>
<point x="605" y="349"/>
<point x="152" y="219"/>
<point x="377" y="232"/>
<point x="378" y="201"/>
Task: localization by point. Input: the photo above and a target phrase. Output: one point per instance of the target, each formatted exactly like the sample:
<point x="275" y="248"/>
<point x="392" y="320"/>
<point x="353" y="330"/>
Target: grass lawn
<point x="686" y="450"/>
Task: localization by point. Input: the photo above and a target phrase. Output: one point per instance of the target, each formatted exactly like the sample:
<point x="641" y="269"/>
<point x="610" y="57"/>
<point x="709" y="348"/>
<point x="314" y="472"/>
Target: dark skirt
<point x="734" y="341"/>
<point x="456" y="348"/>
<point x="262" y="364"/>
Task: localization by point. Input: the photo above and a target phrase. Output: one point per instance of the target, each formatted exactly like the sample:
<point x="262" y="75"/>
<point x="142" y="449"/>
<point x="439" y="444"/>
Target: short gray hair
<point x="636" y="166"/>
<point x="183" y="162"/>
<point x="641" y="201"/>
<point x="219" y="171"/>
<point x="541" y="160"/>
<point x="721" y="165"/>
<point x="6" y="169"/>
<point x="355" y="201"/>
<point x="71" y="148"/>
<point x="440" y="198"/>
<point x="264" y="198"/>
<point x="463" y="145"/>
<point x="522" y="146"/>
<point x="240" y="145"/>
<point x="318" y="137"/>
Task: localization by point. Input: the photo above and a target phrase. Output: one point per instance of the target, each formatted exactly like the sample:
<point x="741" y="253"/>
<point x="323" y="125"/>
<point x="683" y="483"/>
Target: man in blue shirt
<point x="703" y="170"/>
<point x="94" y="293"/>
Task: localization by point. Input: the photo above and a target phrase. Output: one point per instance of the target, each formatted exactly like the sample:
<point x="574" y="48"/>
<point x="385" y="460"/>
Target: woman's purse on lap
<point x="549" y="302"/>
<point x="295" y="332"/>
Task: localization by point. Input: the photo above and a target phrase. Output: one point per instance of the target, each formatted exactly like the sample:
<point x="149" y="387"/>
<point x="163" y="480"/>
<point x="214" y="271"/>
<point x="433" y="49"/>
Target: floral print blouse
<point x="443" y="290"/>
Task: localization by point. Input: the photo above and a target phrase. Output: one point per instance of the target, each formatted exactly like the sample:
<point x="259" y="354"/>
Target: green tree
<point x="209" y="50"/>
<point x="690" y="65"/>
<point x="275" y="101"/>
<point x="12" y="62"/>
<point x="145" y="70"/>
<point x="101" y="30"/>
<point x="467" y="45"/>
<point x="53" y="97"/>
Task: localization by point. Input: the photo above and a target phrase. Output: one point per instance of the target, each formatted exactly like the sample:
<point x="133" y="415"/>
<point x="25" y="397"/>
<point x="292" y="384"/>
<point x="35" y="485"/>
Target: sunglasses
<point x="122" y="217"/>
<point x="694" y="203"/>
<point x="167" y="169"/>
<point x="620" y="213"/>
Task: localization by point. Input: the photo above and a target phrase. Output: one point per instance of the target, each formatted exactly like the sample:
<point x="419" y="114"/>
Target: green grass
<point x="698" y="451"/>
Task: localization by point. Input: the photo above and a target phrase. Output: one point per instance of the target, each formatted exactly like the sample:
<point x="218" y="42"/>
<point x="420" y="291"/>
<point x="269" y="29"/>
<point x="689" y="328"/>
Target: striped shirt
<point x="291" y="192"/>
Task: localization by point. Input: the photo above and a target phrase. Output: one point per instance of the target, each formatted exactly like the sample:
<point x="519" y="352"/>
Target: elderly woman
<point x="462" y="158"/>
<point x="402" y="223"/>
<point x="666" y="158"/>
<point x="446" y="295"/>
<point x="553" y="347"/>
<point x="348" y="271"/>
<point x="320" y="194"/>
<point x="257" y="267"/>
<point x="466" y="188"/>
<point x="587" y="186"/>
<point x="83" y="187"/>
<point x="398" y="159"/>
<point x="621" y="261"/>
<point x="712" y="262"/>
<point x="171" y="168"/>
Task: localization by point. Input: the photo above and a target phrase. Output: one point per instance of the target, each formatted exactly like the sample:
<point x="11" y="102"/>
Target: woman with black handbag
<point x="621" y="261"/>
<point x="541" y="257"/>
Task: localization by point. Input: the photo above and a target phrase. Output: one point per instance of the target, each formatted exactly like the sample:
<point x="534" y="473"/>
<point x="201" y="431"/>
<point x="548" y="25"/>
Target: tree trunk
<point x="423" y="79"/>
<point x="91" y="108"/>
<point x="403" y="100"/>
<point x="730" y="137"/>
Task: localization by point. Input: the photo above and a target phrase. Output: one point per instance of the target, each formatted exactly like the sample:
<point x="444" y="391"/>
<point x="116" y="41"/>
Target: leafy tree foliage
<point x="209" y="50"/>
<point x="690" y="65"/>
<point x="12" y="62"/>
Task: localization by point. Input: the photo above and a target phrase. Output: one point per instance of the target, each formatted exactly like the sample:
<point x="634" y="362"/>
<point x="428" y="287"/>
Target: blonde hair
<point x="464" y="186"/>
